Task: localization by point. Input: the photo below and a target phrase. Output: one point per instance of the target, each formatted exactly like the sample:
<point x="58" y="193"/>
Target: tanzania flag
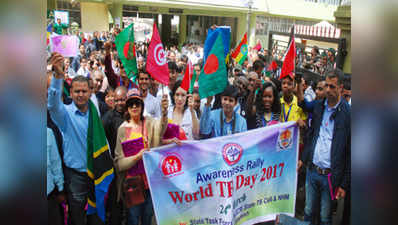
<point x="240" y="53"/>
<point x="99" y="164"/>
<point x="213" y="77"/>
<point x="126" y="50"/>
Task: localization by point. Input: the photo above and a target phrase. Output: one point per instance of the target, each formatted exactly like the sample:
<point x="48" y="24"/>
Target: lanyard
<point x="222" y="123"/>
<point x="264" y="121"/>
<point x="286" y="117"/>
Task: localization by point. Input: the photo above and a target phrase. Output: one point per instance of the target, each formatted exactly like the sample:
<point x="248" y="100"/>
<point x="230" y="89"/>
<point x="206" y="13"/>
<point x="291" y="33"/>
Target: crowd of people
<point x="255" y="96"/>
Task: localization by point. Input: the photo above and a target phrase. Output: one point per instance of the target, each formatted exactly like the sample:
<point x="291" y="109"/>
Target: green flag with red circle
<point x="213" y="78"/>
<point x="124" y="42"/>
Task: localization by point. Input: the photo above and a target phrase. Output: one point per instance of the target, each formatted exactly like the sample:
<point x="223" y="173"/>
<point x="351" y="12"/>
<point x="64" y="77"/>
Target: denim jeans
<point x="288" y="220"/>
<point x="142" y="211"/>
<point x="317" y="189"/>
<point x="77" y="187"/>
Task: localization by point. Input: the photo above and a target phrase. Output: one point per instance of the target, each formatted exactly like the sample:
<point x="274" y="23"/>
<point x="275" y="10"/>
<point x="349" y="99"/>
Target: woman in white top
<point x="182" y="112"/>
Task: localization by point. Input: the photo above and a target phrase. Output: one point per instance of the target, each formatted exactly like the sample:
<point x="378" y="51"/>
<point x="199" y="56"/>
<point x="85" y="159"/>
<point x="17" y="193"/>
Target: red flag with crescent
<point x="156" y="64"/>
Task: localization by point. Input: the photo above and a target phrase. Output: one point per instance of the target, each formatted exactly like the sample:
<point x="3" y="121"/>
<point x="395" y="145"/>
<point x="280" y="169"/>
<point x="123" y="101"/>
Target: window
<point x="73" y="9"/>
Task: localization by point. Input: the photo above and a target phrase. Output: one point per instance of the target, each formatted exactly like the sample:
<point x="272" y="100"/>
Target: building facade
<point x="182" y="21"/>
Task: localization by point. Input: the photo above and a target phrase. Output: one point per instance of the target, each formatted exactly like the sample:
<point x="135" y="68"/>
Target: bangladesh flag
<point x="126" y="50"/>
<point x="240" y="53"/>
<point x="213" y="77"/>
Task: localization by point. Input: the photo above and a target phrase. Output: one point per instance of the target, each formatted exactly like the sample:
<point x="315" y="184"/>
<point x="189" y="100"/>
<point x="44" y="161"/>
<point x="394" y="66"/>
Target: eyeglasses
<point x="319" y="88"/>
<point x="330" y="86"/>
<point x="146" y="78"/>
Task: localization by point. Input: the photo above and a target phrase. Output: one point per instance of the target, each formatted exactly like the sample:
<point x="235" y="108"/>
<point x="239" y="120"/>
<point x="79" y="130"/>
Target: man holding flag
<point x="88" y="165"/>
<point x="290" y="109"/>
<point x="125" y="46"/>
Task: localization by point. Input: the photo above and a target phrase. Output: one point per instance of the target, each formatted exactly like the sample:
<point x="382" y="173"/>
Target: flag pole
<point x="189" y="78"/>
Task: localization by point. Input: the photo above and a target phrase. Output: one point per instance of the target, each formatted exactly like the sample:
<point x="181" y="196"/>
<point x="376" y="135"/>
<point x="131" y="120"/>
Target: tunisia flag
<point x="288" y="63"/>
<point x="186" y="81"/>
<point x="156" y="64"/>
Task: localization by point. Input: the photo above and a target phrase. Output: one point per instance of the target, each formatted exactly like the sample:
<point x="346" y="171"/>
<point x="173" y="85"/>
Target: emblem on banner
<point x="285" y="139"/>
<point x="232" y="153"/>
<point x="171" y="165"/>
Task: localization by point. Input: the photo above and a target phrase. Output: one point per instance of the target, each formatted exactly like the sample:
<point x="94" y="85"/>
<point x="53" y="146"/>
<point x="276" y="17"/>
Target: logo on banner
<point x="160" y="55"/>
<point x="285" y="139"/>
<point x="171" y="165"/>
<point x="232" y="153"/>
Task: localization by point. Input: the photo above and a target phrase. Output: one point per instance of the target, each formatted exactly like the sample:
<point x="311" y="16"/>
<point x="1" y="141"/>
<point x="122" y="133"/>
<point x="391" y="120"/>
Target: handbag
<point x="133" y="189"/>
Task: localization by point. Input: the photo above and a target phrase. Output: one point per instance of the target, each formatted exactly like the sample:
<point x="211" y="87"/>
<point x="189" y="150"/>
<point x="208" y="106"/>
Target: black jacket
<point x="111" y="121"/>
<point x="341" y="142"/>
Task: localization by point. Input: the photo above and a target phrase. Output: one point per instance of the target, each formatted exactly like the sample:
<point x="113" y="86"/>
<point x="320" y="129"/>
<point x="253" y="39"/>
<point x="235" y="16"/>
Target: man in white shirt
<point x="172" y="81"/>
<point x="152" y="105"/>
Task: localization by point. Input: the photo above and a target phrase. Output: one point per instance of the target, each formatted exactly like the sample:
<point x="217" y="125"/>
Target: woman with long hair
<point x="267" y="108"/>
<point x="135" y="127"/>
<point x="182" y="112"/>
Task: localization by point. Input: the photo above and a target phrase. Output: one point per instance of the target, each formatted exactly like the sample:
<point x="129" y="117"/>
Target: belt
<point x="320" y="170"/>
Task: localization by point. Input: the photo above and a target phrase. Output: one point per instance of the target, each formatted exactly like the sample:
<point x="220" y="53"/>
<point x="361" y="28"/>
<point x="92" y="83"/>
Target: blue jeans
<point x="77" y="187"/>
<point x="317" y="189"/>
<point x="143" y="211"/>
<point x="288" y="220"/>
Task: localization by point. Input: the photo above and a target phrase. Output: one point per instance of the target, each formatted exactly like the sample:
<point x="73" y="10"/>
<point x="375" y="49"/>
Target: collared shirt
<point x="291" y="111"/>
<point x="324" y="142"/>
<point x="152" y="106"/>
<point x="54" y="165"/>
<point x="73" y="124"/>
<point x="210" y="123"/>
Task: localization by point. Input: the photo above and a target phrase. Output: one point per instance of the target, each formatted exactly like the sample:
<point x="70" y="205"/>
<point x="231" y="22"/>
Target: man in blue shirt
<point x="72" y="120"/>
<point x="224" y="121"/>
<point x="327" y="154"/>
<point x="55" y="180"/>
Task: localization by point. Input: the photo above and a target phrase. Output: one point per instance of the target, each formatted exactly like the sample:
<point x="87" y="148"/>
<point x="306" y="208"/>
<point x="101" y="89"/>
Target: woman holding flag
<point x="182" y="113"/>
<point x="144" y="133"/>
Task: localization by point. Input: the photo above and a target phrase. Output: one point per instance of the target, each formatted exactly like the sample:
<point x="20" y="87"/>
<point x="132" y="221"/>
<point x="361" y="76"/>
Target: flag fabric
<point x="99" y="164"/>
<point x="240" y="53"/>
<point x="49" y="31"/>
<point x="66" y="45"/>
<point x="192" y="83"/>
<point x="189" y="79"/>
<point x="156" y="63"/>
<point x="213" y="77"/>
<point x="212" y="35"/>
<point x="185" y="84"/>
<point x="126" y="50"/>
<point x="272" y="66"/>
<point x="289" y="59"/>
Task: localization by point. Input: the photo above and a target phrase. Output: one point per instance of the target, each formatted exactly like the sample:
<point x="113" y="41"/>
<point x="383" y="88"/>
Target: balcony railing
<point x="328" y="2"/>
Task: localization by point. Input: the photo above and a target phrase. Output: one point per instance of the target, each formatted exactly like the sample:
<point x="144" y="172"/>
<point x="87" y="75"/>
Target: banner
<point x="67" y="46"/>
<point x="245" y="178"/>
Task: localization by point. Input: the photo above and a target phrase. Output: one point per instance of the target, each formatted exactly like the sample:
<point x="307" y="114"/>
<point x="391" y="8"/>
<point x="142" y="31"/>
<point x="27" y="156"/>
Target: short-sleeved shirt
<point x="291" y="112"/>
